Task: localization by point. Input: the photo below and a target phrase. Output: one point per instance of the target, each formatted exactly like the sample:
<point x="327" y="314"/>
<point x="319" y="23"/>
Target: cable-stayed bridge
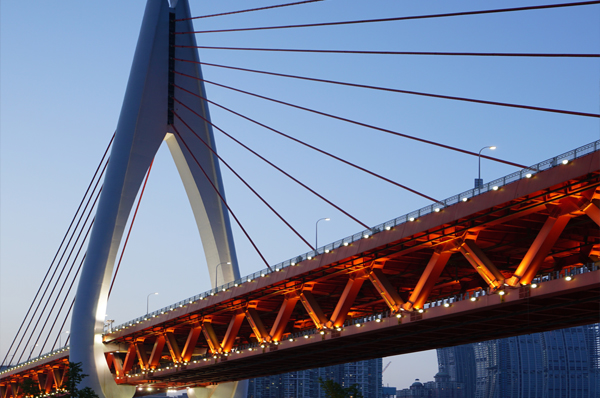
<point x="396" y="287"/>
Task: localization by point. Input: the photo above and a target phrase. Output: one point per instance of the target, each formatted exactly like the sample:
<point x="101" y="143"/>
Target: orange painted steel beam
<point x="190" y="343"/>
<point x="118" y="366"/>
<point x="283" y="317"/>
<point x="425" y="285"/>
<point x="130" y="358"/>
<point x="346" y="299"/>
<point x="256" y="324"/>
<point x="592" y="212"/>
<point x="211" y="337"/>
<point x="173" y="346"/>
<point x="482" y="264"/>
<point x="58" y="375"/>
<point x="141" y="355"/>
<point x="385" y="289"/>
<point x="232" y="331"/>
<point x="314" y="310"/>
<point x="3" y="391"/>
<point x="157" y="350"/>
<point x="538" y="251"/>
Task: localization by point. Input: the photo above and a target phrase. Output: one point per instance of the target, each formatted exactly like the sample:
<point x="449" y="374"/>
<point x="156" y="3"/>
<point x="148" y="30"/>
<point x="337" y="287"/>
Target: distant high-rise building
<point x="367" y="375"/>
<point x="557" y="364"/>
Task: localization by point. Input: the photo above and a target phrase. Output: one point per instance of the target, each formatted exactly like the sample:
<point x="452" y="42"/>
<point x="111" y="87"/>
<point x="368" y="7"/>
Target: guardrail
<point x="412" y="216"/>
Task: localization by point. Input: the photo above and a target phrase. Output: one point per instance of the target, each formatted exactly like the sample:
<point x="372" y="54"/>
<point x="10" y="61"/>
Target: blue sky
<point x="65" y="65"/>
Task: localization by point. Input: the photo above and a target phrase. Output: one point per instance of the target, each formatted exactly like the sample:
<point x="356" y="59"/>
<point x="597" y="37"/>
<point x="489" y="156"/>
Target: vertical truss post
<point x="232" y="331"/>
<point x="538" y="251"/>
<point x="346" y="299"/>
<point x="385" y="289"/>
<point x="482" y="264"/>
<point x="425" y="285"/>
<point x="190" y="343"/>
<point x="285" y="311"/>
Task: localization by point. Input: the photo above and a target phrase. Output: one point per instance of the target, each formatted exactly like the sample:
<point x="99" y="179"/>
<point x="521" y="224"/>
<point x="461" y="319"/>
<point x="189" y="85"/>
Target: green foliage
<point x="30" y="388"/>
<point x="335" y="390"/>
<point x="74" y="377"/>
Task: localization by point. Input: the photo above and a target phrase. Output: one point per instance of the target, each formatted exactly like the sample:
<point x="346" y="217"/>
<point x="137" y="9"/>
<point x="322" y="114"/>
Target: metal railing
<point x="528" y="172"/>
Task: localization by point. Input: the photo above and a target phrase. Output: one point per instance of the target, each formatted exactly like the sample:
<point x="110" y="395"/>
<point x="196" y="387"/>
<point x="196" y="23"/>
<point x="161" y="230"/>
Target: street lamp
<point x="478" y="180"/>
<point x="317" y="232"/>
<point x="217" y="274"/>
<point x="148" y="302"/>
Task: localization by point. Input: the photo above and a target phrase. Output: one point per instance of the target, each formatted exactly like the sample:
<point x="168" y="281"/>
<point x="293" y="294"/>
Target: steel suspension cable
<point x="68" y="291"/>
<point x="220" y="195"/>
<point x="59" y="249"/>
<point x="393" y="90"/>
<point x="369" y="52"/>
<point x="406" y="18"/>
<point x="251" y="10"/>
<point x="130" y="228"/>
<point x="313" y="147"/>
<point x="59" y="278"/>
<point x="354" y="122"/>
<point x="242" y="180"/>
<point x="282" y="171"/>
<point x="62" y="327"/>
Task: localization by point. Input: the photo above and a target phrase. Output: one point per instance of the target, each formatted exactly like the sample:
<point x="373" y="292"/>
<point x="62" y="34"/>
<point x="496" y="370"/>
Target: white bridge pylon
<point x="143" y="125"/>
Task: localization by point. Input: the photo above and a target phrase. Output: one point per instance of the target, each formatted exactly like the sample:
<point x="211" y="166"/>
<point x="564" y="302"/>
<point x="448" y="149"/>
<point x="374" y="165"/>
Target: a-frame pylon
<point x="146" y="120"/>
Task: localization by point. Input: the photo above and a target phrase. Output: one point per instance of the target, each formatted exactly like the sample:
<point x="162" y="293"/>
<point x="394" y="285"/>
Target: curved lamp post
<point x="317" y="232"/>
<point x="217" y="273"/>
<point x="148" y="302"/>
<point x="479" y="181"/>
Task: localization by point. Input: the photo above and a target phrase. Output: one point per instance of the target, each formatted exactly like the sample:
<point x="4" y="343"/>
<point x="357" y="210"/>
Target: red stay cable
<point x="130" y="227"/>
<point x="250" y="10"/>
<point x="281" y="170"/>
<point x="221" y="196"/>
<point x="394" y="90"/>
<point x="354" y="121"/>
<point x="244" y="181"/>
<point x="313" y="147"/>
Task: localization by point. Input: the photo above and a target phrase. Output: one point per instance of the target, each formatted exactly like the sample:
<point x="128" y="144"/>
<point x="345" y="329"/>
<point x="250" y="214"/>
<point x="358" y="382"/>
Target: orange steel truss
<point x="495" y="244"/>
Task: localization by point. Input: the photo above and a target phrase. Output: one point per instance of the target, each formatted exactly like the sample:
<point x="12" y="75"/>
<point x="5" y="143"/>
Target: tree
<point x="30" y="388"/>
<point x="74" y="377"/>
<point x="335" y="390"/>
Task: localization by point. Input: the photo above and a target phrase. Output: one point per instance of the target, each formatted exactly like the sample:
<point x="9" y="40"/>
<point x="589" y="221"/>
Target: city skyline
<point x="71" y="70"/>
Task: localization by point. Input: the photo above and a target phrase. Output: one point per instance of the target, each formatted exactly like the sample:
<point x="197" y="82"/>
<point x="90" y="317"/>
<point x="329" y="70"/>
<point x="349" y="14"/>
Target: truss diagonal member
<point x="283" y="317"/>
<point x="49" y="382"/>
<point x="538" y="251"/>
<point x="157" y="349"/>
<point x="58" y="375"/>
<point x="130" y="358"/>
<point x="232" y="331"/>
<point x="210" y="336"/>
<point x="592" y="211"/>
<point x="140" y="350"/>
<point x="346" y="299"/>
<point x="482" y="264"/>
<point x="256" y="324"/>
<point x="3" y="391"/>
<point x="385" y="289"/>
<point x="432" y="272"/>
<point x="312" y="307"/>
<point x="173" y="346"/>
<point x="115" y="361"/>
<point x="190" y="343"/>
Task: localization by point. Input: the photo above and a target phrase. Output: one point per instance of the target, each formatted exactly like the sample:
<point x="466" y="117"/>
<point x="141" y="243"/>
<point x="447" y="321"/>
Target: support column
<point x="256" y="324"/>
<point x="386" y="290"/>
<point x="346" y="300"/>
<point x="283" y="317"/>
<point x="232" y="331"/>
<point x="159" y="344"/>
<point x="312" y="307"/>
<point x="188" y="350"/>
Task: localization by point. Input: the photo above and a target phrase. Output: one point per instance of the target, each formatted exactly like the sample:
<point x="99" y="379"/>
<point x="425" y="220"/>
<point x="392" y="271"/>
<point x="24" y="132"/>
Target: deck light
<point x="366" y="236"/>
<point x="378" y="320"/>
<point x="398" y="316"/>
<point x="322" y="332"/>
<point x="502" y="292"/>
<point x="495" y="187"/>
<point x="437" y="209"/>
<point x="473" y="298"/>
<point x="411" y="219"/>
<point x="345" y="243"/>
<point x="528" y="175"/>
<point x="465" y="199"/>
<point x="309" y="257"/>
<point x="421" y="310"/>
<point x="568" y="278"/>
<point x="305" y="336"/>
<point x="565" y="161"/>
<point x="358" y="325"/>
<point x="446" y="305"/>
<point x="339" y="329"/>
